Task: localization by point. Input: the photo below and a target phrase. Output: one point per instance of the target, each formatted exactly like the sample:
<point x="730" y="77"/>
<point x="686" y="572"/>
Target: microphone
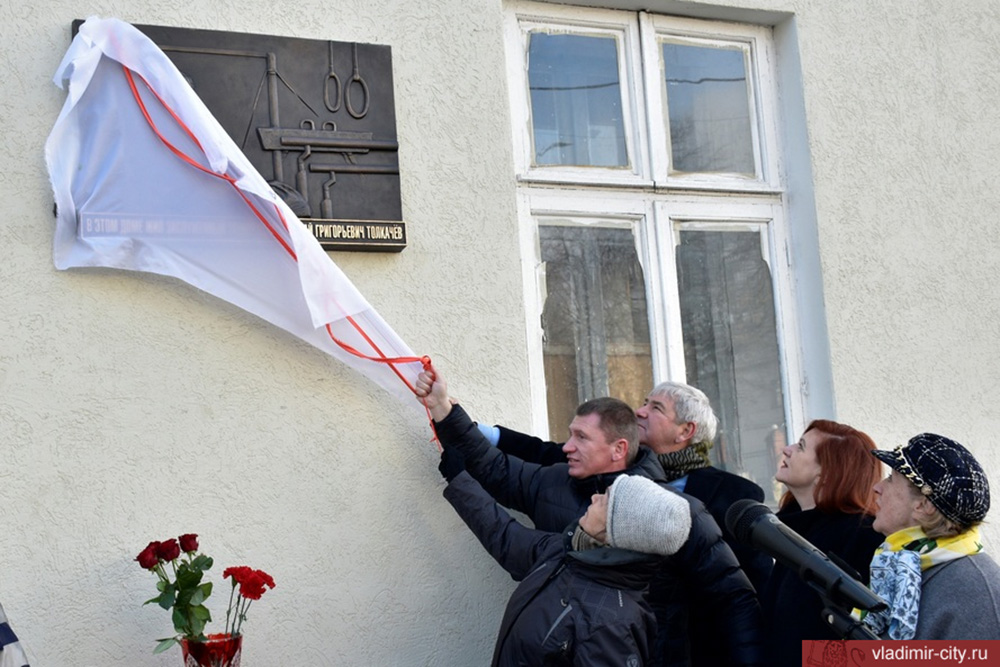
<point x="754" y="524"/>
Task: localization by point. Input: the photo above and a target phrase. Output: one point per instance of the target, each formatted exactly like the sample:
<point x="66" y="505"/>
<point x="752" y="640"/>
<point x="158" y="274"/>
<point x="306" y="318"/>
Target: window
<point x="708" y="115"/>
<point x="649" y="188"/>
<point x="595" y="318"/>
<point x="576" y="110"/>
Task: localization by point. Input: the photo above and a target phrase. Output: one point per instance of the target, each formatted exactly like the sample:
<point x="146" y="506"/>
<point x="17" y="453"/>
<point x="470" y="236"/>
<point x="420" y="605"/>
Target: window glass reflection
<point x="576" y="103"/>
<point x="708" y="109"/>
<point x="595" y="320"/>
<point x="731" y="345"/>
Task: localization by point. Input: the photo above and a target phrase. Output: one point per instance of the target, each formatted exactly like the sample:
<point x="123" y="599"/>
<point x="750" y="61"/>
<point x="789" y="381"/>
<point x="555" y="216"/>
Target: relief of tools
<point x="326" y="206"/>
<point x="334" y="93"/>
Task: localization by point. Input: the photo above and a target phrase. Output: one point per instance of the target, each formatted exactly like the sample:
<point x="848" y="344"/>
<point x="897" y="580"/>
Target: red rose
<point x="168" y="550"/>
<point x="147" y="557"/>
<point x="189" y="542"/>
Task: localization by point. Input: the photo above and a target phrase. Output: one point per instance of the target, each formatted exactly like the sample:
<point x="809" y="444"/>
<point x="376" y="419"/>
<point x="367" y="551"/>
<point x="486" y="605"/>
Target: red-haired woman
<point x="830" y="502"/>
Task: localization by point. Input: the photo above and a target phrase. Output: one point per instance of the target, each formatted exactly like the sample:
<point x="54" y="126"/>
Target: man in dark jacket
<point x="700" y="587"/>
<point x="580" y="600"/>
<point x="677" y="422"/>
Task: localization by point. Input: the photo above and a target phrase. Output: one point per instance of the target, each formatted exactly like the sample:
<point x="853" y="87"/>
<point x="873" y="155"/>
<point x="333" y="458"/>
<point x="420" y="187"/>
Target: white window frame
<point x="539" y="206"/>
<point x="586" y="22"/>
<point x="767" y="219"/>
<point x="650" y="200"/>
<point x="763" y="93"/>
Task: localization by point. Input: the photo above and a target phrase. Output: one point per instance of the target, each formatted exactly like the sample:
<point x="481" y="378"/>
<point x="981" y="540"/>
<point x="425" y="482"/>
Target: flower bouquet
<point x="180" y="569"/>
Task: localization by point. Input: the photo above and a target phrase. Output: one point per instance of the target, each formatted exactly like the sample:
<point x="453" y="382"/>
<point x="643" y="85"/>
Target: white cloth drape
<point x="126" y="201"/>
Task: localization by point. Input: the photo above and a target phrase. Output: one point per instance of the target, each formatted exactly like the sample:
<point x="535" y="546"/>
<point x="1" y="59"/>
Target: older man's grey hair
<point x="691" y="405"/>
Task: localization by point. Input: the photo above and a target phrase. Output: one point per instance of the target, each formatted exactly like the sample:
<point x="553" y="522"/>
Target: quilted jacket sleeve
<point x="701" y="596"/>
<point x="509" y="480"/>
<point x="517" y="548"/>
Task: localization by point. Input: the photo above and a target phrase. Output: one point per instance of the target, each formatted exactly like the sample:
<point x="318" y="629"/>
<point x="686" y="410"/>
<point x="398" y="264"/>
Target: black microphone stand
<point x="842" y="622"/>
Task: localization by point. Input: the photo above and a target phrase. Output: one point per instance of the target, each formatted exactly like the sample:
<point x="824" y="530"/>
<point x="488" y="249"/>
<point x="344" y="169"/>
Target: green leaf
<point x="167" y="599"/>
<point x="164" y="645"/>
<point x="201" y="593"/>
<point x="201" y="612"/>
<point x="197" y="625"/>
<point x="188" y="578"/>
<point x="180" y="621"/>
<point x="202" y="562"/>
<point x="160" y="585"/>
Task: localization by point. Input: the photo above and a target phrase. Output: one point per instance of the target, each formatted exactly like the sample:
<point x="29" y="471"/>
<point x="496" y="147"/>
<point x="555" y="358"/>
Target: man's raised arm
<point x="511" y="481"/>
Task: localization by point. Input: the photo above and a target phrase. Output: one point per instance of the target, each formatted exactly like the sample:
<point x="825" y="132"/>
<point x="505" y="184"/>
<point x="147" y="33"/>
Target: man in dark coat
<point x="677" y="422"/>
<point x="580" y="599"/>
<point x="700" y="588"/>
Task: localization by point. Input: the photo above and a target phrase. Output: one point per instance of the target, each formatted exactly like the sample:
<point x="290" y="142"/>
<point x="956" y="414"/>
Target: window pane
<point x="576" y="104"/>
<point x="709" y="109"/>
<point x="731" y="345"/>
<point x="595" y="323"/>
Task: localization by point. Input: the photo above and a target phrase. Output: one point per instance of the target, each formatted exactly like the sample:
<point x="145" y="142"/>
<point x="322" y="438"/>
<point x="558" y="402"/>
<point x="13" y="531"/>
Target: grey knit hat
<point x="644" y="517"/>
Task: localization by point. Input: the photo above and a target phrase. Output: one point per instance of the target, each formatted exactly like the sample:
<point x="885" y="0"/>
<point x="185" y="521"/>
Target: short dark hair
<point x="616" y="419"/>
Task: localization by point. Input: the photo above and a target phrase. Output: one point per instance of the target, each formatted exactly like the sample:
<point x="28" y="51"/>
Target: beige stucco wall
<point x="134" y="408"/>
<point x="902" y="100"/>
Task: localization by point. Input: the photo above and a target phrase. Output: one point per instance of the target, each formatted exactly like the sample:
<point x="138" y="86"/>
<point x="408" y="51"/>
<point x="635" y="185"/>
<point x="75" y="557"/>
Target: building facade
<point x="783" y="202"/>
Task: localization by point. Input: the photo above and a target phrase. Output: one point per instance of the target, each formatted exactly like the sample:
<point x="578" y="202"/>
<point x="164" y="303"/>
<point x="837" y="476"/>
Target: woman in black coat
<point x="830" y="502"/>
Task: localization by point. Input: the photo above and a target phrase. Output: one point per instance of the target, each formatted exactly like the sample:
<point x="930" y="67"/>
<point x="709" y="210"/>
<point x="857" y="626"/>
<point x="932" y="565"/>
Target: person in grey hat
<point x="581" y="597"/>
<point x="931" y="569"/>
<point x="700" y="584"/>
<point x="677" y="423"/>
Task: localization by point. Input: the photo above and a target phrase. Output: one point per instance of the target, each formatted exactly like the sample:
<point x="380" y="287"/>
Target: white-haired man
<point x="706" y="611"/>
<point x="677" y="422"/>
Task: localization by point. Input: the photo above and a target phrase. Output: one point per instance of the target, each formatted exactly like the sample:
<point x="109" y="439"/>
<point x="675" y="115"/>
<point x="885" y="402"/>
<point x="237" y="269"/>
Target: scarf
<point x="582" y="540"/>
<point x="896" y="575"/>
<point x="677" y="464"/>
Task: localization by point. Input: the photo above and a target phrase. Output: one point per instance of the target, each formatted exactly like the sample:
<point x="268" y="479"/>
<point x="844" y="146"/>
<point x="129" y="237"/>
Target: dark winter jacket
<point x="577" y="608"/>
<point x="793" y="610"/>
<point x="717" y="489"/>
<point x="706" y="609"/>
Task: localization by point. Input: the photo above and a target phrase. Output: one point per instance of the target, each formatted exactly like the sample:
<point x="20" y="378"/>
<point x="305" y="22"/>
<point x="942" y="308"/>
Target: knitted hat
<point x="645" y="517"/>
<point x="945" y="472"/>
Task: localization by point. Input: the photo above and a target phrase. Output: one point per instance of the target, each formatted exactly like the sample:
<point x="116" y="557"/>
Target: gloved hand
<point x="452" y="463"/>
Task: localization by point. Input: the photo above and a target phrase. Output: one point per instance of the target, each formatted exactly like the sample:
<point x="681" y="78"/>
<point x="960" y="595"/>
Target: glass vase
<point x="218" y="650"/>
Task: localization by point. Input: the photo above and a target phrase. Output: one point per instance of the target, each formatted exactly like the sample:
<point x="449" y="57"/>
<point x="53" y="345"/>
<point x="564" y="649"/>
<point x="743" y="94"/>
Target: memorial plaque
<point x="316" y="118"/>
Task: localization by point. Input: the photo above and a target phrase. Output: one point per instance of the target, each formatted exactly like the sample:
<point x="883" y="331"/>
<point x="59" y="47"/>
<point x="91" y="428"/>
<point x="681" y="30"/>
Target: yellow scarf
<point x="895" y="575"/>
<point x="933" y="551"/>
